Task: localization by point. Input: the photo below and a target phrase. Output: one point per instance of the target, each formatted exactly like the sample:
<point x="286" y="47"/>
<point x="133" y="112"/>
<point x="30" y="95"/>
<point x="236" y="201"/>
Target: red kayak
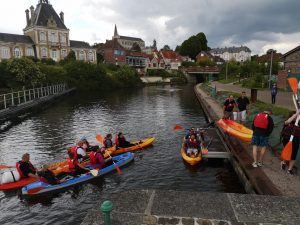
<point x="21" y="183"/>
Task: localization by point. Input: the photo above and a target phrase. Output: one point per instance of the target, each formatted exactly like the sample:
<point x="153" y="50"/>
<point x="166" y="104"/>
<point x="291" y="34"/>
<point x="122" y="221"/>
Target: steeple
<point x="116" y="35"/>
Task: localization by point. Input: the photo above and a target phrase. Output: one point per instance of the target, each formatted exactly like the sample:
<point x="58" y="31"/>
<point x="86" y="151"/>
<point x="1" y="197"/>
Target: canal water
<point x="148" y="112"/>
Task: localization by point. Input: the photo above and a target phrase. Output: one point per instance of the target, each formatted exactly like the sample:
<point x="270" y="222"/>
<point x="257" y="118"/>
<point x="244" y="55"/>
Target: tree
<point x="177" y="49"/>
<point x="154" y="44"/>
<point x="166" y="47"/>
<point x="25" y="71"/>
<point x="192" y="46"/>
<point x="135" y="47"/>
<point x="71" y="56"/>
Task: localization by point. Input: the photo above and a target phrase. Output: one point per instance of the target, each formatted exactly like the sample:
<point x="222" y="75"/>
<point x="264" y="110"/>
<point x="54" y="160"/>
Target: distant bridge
<point x="202" y="73"/>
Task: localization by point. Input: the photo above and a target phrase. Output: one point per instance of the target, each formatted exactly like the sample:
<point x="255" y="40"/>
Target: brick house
<point x="112" y="52"/>
<point x="171" y="59"/>
<point x="205" y="56"/>
<point x="291" y="61"/>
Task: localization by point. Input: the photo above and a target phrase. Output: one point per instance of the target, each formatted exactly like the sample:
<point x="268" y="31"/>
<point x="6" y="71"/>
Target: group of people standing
<point x="262" y="127"/>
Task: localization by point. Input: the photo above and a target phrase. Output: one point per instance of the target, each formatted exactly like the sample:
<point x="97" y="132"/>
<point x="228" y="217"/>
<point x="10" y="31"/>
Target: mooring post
<point x="106" y="208"/>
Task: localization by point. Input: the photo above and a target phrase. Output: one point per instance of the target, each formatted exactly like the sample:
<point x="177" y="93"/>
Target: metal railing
<point x="19" y="97"/>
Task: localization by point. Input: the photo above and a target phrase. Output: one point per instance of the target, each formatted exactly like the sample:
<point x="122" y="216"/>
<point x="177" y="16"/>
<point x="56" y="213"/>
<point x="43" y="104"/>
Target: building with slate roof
<point x="45" y="36"/>
<point x="127" y="42"/>
<point x="239" y="54"/>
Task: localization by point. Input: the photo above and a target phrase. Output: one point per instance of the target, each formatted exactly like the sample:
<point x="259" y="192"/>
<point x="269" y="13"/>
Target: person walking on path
<point x="262" y="127"/>
<point x="228" y="107"/>
<point x="290" y="128"/>
<point x="274" y="93"/>
<point x="242" y="103"/>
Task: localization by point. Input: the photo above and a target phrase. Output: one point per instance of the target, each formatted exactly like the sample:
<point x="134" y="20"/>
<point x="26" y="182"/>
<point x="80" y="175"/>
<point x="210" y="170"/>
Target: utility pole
<point x="271" y="68"/>
<point x="226" y="70"/>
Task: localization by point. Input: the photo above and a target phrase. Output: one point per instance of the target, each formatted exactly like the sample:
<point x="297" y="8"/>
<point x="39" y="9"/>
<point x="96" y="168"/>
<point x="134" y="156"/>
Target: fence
<point x="19" y="97"/>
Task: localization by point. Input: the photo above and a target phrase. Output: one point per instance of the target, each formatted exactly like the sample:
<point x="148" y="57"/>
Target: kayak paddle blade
<point x="178" y="127"/>
<point x="99" y="138"/>
<point x="293" y="82"/>
<point x="286" y="153"/>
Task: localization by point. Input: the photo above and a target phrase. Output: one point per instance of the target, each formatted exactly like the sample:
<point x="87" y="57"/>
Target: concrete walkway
<point x="283" y="99"/>
<point x="158" y="207"/>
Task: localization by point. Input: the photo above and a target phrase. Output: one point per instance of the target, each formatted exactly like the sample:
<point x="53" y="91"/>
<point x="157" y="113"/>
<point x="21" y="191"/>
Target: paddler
<point x="25" y="168"/>
<point x="97" y="160"/>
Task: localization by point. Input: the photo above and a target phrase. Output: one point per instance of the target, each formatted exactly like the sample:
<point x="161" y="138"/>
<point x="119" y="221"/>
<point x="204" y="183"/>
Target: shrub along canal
<point x="151" y="111"/>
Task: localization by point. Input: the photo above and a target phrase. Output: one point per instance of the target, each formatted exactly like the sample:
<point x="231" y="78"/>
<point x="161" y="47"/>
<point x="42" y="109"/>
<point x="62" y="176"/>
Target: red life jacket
<point x="117" y="140"/>
<point x="74" y="150"/>
<point x="261" y="121"/>
<point x="93" y="158"/>
<point x="31" y="167"/>
<point x="193" y="143"/>
<point x="72" y="164"/>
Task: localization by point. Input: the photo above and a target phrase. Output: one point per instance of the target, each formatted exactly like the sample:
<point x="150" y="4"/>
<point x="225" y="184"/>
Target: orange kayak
<point x="64" y="167"/>
<point x="236" y="129"/>
<point x="193" y="160"/>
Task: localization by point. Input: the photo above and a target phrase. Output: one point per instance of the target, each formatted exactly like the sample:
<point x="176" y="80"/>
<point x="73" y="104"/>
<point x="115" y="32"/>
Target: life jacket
<point x="93" y="158"/>
<point x="72" y="164"/>
<point x="193" y="143"/>
<point x="73" y="149"/>
<point x="18" y="165"/>
<point x="230" y="105"/>
<point x="105" y="144"/>
<point x="261" y="121"/>
<point x="117" y="140"/>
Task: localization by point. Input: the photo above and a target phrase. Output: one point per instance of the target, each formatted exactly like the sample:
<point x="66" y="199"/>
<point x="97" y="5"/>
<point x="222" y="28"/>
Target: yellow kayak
<point x="236" y="129"/>
<point x="193" y="160"/>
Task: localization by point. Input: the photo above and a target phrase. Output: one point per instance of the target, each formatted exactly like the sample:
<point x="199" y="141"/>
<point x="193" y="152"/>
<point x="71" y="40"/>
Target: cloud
<point x="257" y="24"/>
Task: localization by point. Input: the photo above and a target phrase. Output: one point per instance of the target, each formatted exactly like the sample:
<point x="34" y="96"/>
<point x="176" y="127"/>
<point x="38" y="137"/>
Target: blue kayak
<point x="39" y="187"/>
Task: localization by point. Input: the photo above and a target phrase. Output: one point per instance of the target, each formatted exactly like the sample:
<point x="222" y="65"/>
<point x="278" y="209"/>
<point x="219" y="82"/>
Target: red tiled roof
<point x="169" y="54"/>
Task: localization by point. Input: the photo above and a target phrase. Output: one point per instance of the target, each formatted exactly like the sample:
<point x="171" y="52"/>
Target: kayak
<point x="236" y="129"/>
<point x="39" y="187"/>
<point x="64" y="167"/>
<point x="138" y="145"/>
<point x="18" y="184"/>
<point x="193" y="160"/>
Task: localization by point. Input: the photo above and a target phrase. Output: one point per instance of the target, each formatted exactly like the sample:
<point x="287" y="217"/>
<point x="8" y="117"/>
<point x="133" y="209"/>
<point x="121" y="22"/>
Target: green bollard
<point x="106" y="208"/>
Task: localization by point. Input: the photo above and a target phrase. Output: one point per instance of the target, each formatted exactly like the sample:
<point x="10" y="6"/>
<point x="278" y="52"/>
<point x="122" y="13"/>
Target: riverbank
<point x="265" y="179"/>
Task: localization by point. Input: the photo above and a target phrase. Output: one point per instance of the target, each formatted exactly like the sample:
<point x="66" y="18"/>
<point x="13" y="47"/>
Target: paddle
<point x="100" y="139"/>
<point x="94" y="172"/>
<point x="205" y="150"/>
<point x="286" y="153"/>
<point x="6" y="167"/>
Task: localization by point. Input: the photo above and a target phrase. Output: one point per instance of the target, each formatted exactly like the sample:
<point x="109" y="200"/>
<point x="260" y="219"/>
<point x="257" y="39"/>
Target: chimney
<point x="32" y="14"/>
<point x="27" y="16"/>
<point x="62" y="17"/>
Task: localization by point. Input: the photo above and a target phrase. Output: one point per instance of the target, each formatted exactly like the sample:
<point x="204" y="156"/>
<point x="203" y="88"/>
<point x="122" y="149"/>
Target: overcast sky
<point x="258" y="24"/>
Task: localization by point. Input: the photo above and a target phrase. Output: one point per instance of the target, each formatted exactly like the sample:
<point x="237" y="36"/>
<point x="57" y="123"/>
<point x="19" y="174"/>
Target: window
<point x="5" y="54"/>
<point x="42" y="36"/>
<point x="17" y="52"/>
<point x="63" y="38"/>
<point x="82" y="55"/>
<point x="118" y="52"/>
<point x="29" y="52"/>
<point x="53" y="37"/>
<point x="54" y="54"/>
<point x="44" y="52"/>
<point x="63" y="53"/>
<point x="91" y="56"/>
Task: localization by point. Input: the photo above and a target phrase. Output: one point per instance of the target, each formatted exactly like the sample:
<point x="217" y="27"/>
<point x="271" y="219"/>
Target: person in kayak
<point x="122" y="142"/>
<point x="79" y="151"/>
<point x="189" y="133"/>
<point x="107" y="142"/>
<point x="192" y="146"/>
<point x="47" y="176"/>
<point x="74" y="166"/>
<point x="97" y="160"/>
<point x="25" y="168"/>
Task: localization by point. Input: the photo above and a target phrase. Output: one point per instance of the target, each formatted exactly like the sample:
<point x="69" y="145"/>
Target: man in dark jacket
<point x="262" y="127"/>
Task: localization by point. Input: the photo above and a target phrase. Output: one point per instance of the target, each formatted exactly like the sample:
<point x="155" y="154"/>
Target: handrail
<point x="18" y="97"/>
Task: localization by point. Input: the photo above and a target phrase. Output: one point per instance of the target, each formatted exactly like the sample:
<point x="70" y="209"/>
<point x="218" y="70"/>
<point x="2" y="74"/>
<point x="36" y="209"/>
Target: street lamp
<point x="271" y="68"/>
<point x="116" y="59"/>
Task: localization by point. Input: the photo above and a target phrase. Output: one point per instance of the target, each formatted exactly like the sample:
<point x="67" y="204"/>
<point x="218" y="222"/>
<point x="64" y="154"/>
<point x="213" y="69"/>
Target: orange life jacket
<point x="93" y="158"/>
<point x="261" y="121"/>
